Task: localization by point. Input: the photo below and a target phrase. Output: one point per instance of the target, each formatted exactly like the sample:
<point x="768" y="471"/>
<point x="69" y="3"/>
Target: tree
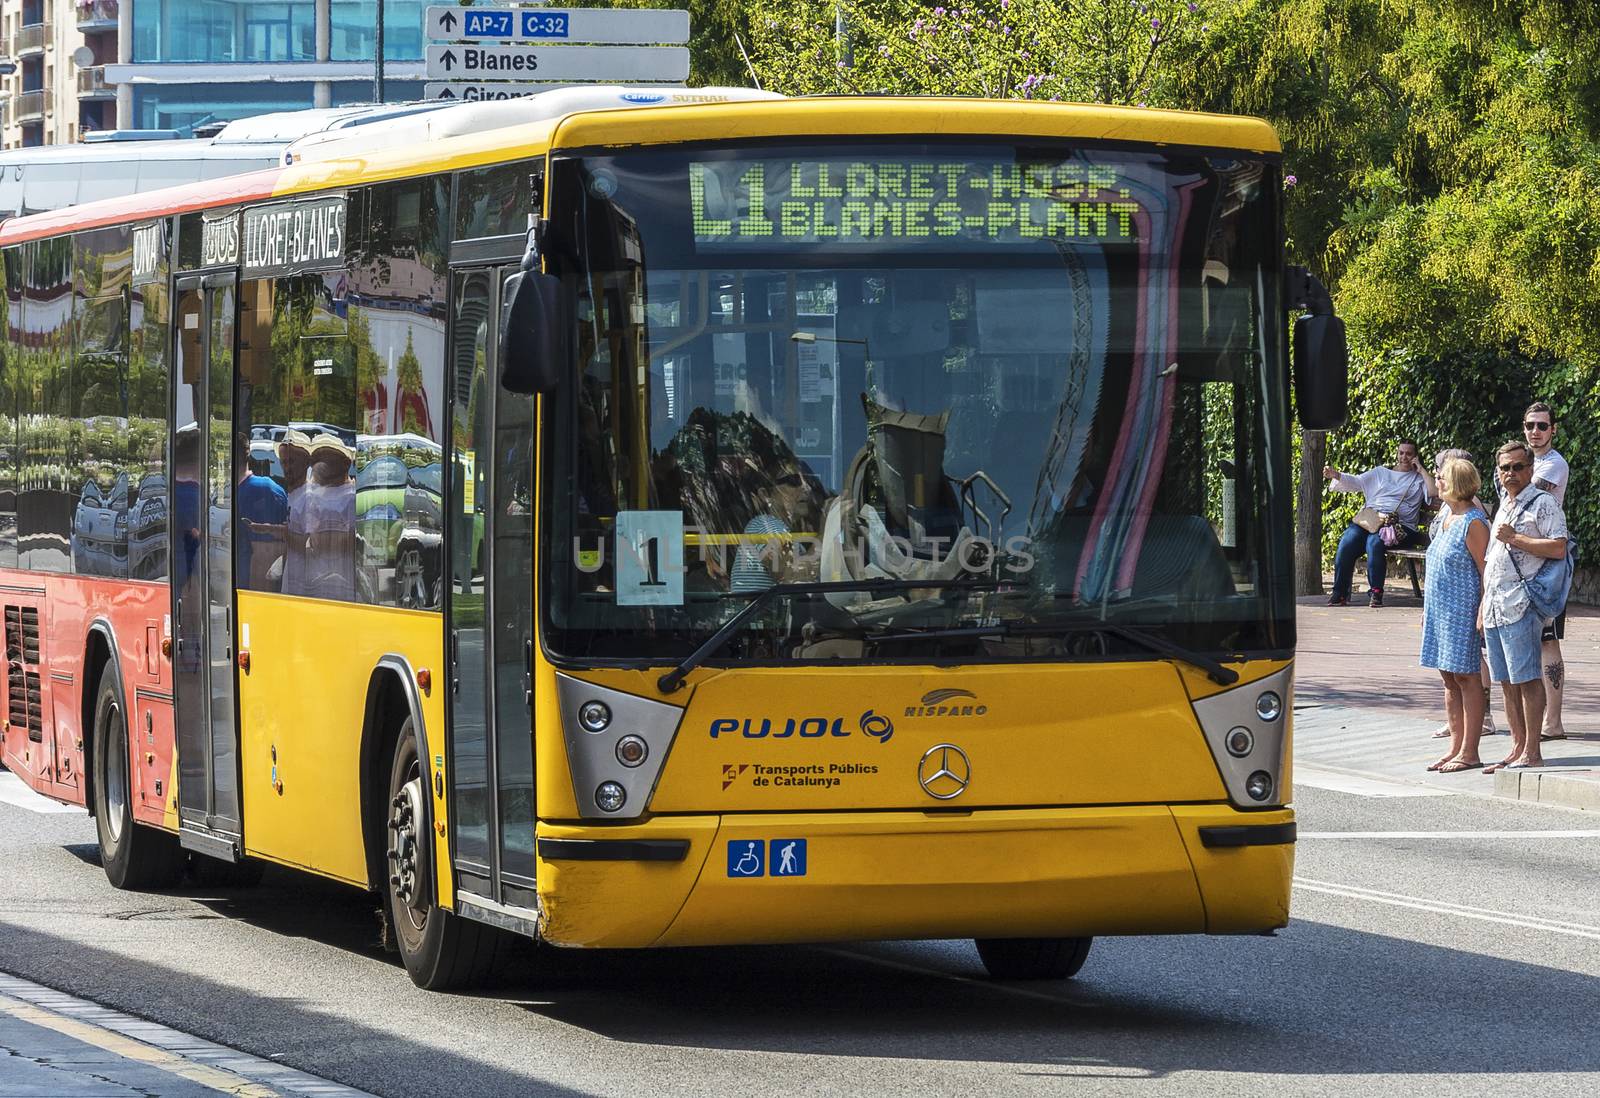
<point x="1106" y="51"/>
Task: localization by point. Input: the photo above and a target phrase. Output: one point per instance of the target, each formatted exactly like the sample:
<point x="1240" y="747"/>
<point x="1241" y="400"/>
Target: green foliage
<point x="1104" y="51"/>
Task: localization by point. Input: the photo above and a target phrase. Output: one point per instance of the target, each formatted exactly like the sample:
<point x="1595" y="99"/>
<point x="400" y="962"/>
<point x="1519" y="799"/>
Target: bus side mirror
<point x="1321" y="372"/>
<point x="1321" y="355"/>
<point x="533" y="333"/>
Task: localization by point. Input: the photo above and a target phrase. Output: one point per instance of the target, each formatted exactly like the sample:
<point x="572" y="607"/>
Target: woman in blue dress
<point x="1450" y="613"/>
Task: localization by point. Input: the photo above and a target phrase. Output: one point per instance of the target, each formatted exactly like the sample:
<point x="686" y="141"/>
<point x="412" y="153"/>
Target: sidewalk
<point x="1364" y="707"/>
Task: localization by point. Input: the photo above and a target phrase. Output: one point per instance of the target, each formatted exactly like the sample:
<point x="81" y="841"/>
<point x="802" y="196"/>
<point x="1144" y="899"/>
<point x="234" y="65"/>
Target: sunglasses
<point x="1514" y="467"/>
<point x="789" y="480"/>
<point x="1535" y="425"/>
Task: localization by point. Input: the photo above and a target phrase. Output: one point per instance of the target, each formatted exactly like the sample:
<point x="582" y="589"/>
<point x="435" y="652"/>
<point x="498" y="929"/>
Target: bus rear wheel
<point x="439" y="948"/>
<point x="1033" y="958"/>
<point x="134" y="856"/>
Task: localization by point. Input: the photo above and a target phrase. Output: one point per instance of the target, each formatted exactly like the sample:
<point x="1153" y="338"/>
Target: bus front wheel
<point x="134" y="856"/>
<point x="1033" y="958"/>
<point x="440" y="949"/>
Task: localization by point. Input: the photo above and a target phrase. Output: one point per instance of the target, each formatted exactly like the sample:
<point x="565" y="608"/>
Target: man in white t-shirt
<point x="1399" y="490"/>
<point x="1550" y="473"/>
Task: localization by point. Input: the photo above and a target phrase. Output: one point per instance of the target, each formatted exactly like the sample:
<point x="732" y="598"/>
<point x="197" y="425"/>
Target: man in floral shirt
<point x="1529" y="529"/>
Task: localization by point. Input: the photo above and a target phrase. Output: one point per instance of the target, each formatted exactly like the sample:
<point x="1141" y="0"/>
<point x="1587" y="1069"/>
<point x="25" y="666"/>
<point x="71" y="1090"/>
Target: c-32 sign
<point x="453" y="23"/>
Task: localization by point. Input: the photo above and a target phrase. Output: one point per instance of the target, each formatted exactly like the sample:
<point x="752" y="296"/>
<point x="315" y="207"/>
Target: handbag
<point x="1369" y="520"/>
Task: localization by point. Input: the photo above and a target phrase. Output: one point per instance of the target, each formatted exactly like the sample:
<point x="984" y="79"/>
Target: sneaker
<point x="1338" y="600"/>
<point x="1375" y="597"/>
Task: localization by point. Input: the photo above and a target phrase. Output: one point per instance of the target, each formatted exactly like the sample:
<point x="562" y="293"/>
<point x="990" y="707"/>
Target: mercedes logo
<point x="944" y="771"/>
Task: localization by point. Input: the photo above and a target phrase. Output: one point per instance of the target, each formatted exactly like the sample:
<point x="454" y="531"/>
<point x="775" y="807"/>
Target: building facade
<point x="87" y="65"/>
<point x="42" y="42"/>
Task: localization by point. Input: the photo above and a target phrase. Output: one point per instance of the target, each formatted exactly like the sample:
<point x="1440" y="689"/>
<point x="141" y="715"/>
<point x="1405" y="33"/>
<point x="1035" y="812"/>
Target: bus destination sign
<point x="755" y="203"/>
<point x="294" y="236"/>
<point x="219" y="240"/>
<point x="149" y="250"/>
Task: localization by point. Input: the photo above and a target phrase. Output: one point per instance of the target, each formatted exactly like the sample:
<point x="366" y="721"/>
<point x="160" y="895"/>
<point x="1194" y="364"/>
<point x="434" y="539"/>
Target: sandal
<point x="1501" y="765"/>
<point x="1458" y="766"/>
<point x="1441" y="763"/>
<point x="1443" y="733"/>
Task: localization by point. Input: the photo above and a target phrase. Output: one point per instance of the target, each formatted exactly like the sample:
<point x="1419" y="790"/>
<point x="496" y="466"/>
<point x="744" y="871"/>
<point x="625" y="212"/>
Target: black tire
<point x="134" y="856"/>
<point x="440" y="949"/>
<point x="1033" y="958"/>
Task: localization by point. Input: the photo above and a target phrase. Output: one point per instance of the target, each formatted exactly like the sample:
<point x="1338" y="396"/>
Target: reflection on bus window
<point x="825" y="397"/>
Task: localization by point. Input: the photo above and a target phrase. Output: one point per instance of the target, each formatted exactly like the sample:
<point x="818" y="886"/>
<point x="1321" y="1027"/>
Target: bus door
<point x="201" y="491"/>
<point x="489" y="606"/>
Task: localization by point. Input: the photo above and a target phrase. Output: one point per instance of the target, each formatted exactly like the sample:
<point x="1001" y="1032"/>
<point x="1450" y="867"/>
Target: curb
<point x="1565" y="790"/>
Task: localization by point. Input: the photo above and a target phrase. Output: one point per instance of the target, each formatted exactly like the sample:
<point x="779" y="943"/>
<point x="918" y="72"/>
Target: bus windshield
<point x="1054" y="371"/>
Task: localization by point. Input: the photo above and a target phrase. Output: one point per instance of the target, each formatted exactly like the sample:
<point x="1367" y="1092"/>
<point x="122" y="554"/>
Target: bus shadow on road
<point x="1317" y="1000"/>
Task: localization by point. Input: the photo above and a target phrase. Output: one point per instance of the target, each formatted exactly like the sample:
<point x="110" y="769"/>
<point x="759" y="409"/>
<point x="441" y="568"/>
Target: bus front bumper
<point x="769" y="878"/>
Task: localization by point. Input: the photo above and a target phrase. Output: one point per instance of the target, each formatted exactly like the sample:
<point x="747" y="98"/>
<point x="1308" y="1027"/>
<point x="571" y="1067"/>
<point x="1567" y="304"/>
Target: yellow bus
<point x="634" y="518"/>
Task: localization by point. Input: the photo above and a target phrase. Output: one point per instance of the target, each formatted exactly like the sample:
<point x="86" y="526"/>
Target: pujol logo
<point x="875" y="725"/>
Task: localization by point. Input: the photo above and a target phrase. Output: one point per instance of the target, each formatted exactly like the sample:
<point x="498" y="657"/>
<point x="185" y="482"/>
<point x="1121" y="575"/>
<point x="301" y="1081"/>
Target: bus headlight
<point x="1247" y="731"/>
<point x="632" y="750"/>
<point x="1269" y="707"/>
<point x="594" y="716"/>
<point x="616" y="746"/>
<point x="610" y="796"/>
<point x="1240" y="741"/>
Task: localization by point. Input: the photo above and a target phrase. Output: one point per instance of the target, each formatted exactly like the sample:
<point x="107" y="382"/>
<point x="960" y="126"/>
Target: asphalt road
<point x="1465" y="960"/>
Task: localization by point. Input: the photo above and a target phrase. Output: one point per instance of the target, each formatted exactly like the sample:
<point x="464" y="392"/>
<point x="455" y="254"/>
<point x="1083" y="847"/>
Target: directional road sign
<point x="521" y="61"/>
<point x="457" y="24"/>
<point x="464" y="92"/>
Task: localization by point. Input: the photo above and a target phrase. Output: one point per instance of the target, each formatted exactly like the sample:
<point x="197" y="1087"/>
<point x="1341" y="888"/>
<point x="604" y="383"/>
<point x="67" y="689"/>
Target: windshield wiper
<point x="1155" y="642"/>
<point x="671" y="681"/>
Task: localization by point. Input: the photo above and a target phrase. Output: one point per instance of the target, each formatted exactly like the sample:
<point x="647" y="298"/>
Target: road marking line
<point x="14" y="791"/>
<point x="1440" y="907"/>
<point x="129" y="1049"/>
<point x="177" y="1053"/>
<point x="1342" y="782"/>
<point x="1590" y="834"/>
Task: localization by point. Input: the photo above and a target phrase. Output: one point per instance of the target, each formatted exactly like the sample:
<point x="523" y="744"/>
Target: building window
<point x="224" y="30"/>
<point x="354" y="25"/>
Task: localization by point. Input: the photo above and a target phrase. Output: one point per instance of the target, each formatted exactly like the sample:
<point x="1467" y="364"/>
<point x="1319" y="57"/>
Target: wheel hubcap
<point x="405" y="868"/>
<point x="116" y="771"/>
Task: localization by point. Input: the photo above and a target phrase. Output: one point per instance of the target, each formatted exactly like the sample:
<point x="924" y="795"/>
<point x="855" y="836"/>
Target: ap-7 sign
<point x="454" y="23"/>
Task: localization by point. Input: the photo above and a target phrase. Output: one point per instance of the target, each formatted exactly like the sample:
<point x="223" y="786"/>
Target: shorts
<point x="1557" y="630"/>
<point x="1514" y="650"/>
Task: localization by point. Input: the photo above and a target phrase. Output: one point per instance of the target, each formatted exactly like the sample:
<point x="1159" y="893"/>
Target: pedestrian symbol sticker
<point x="788" y="857"/>
<point x="746" y="858"/>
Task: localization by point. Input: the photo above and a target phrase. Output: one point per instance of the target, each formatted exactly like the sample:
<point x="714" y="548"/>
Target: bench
<point x="1411" y="557"/>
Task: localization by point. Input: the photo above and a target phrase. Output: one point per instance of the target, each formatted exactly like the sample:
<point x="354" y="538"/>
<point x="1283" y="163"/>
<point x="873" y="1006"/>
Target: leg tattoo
<point x="1555" y="672"/>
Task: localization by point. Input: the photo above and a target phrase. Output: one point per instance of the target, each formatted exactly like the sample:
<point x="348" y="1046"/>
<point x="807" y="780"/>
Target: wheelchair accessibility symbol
<point x="774" y="857"/>
<point x="747" y="858"/>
